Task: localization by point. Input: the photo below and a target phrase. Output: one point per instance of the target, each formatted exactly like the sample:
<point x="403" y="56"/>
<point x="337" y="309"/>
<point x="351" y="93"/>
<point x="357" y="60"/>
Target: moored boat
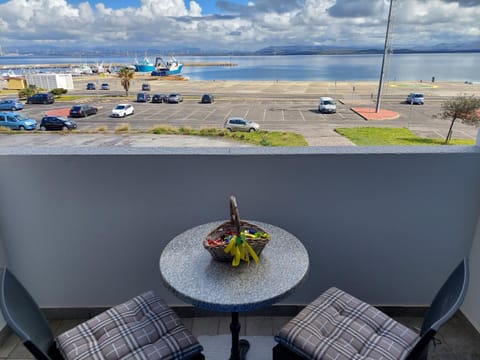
<point x="167" y="68"/>
<point x="144" y="66"/>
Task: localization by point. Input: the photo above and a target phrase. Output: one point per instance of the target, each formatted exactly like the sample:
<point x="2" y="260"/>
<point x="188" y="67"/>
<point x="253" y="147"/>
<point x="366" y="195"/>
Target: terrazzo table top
<point x="195" y="277"/>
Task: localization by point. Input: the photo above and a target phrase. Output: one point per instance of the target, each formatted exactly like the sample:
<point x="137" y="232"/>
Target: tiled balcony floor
<point x="459" y="341"/>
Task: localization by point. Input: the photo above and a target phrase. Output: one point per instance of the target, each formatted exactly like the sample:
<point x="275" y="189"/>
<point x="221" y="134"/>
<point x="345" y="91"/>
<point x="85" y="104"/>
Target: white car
<point x="122" y="110"/>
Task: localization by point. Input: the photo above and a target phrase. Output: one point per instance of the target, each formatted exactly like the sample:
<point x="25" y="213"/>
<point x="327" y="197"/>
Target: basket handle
<point x="234" y="215"/>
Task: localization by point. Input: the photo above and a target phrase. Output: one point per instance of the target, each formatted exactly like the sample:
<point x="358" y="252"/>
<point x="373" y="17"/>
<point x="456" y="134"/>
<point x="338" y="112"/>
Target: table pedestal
<point x="239" y="347"/>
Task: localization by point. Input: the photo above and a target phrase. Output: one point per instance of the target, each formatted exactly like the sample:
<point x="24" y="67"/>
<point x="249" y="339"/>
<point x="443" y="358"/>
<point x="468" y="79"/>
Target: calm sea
<point x="402" y="67"/>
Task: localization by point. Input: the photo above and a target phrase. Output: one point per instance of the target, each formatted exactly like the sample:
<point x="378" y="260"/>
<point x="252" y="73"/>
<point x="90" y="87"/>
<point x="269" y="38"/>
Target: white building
<point x="50" y="81"/>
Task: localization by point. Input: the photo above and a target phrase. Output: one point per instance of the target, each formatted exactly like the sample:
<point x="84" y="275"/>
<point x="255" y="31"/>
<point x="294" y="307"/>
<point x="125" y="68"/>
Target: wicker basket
<point x="234" y="226"/>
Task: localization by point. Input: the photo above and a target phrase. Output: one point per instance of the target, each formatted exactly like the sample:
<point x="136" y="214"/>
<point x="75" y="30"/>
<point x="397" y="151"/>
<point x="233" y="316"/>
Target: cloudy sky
<point x="234" y="24"/>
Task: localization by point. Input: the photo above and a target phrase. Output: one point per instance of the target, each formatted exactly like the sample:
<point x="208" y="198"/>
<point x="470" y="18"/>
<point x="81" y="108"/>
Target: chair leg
<point x="199" y="356"/>
<point x="280" y="352"/>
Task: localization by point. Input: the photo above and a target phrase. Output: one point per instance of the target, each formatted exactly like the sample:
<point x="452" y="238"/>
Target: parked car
<point x="143" y="97"/>
<point x="105" y="86"/>
<point x="41" y="98"/>
<point x="90" y="86"/>
<point x="241" y="124"/>
<point x="327" y="105"/>
<point x="122" y="110"/>
<point x="415" y="98"/>
<point x="11" y="104"/>
<point x="57" y="123"/>
<point x="159" y="98"/>
<point x="145" y="87"/>
<point x="175" y="98"/>
<point x="207" y="99"/>
<point x="17" y="121"/>
<point x="82" y="110"/>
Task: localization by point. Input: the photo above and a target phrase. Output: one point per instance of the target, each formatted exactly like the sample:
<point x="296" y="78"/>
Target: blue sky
<point x="235" y="24"/>
<point x="208" y="6"/>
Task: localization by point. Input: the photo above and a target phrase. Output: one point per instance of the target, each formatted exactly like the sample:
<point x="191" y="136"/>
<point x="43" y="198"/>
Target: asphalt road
<point x="277" y="106"/>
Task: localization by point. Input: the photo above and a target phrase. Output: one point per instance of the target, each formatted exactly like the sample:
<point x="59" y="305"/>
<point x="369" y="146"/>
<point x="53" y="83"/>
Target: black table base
<point x="239" y="347"/>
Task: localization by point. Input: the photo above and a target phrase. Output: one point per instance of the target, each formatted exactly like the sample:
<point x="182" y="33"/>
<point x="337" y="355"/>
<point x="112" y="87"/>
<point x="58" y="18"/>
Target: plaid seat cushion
<point x="141" y="328"/>
<point x="338" y="326"/>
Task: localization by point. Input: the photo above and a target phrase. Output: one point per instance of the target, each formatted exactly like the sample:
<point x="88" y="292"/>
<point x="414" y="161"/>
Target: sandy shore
<point x="294" y="88"/>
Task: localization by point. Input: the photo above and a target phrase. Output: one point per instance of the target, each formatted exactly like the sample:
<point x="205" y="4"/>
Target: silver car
<point x="241" y="124"/>
<point x="175" y="98"/>
<point x="415" y="98"/>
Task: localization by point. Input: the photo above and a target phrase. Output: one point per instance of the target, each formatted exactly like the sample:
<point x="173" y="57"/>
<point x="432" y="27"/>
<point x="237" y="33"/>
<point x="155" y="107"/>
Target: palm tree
<point x="126" y="75"/>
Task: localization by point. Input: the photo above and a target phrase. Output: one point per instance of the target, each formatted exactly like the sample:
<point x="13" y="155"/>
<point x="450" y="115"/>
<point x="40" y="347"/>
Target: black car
<point x="145" y="87"/>
<point x="57" y="123"/>
<point x="41" y="98"/>
<point x="143" y="97"/>
<point x="82" y="110"/>
<point x="207" y="99"/>
<point x="159" y="98"/>
<point x="90" y="86"/>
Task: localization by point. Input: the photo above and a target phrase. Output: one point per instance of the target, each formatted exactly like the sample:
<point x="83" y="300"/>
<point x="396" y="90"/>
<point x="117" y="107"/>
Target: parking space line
<point x="228" y="114"/>
<point x="283" y="115"/>
<point x="301" y="114"/>
<point x="340" y="114"/>
<point x="264" y="114"/>
<point x="173" y="114"/>
<point x="246" y="113"/>
<point x="192" y="113"/>
<point x="208" y="115"/>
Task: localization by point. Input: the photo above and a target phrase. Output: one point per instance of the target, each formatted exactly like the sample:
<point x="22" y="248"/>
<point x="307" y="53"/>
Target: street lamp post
<point x="385" y="51"/>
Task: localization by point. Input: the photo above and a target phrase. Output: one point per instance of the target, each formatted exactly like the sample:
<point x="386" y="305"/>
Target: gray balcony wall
<point x="3" y="262"/>
<point x="85" y="227"/>
<point x="470" y="307"/>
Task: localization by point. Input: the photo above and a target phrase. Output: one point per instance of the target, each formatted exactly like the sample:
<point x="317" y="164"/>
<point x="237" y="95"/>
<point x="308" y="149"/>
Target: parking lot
<point x="285" y="106"/>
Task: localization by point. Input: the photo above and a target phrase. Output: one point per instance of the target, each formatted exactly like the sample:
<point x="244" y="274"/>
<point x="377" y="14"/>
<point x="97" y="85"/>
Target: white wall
<point x="3" y="262"/>
<point x="51" y="81"/>
<point x="470" y="307"/>
<point x="85" y="227"/>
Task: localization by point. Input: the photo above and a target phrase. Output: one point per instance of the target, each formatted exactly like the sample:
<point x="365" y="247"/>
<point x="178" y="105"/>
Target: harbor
<point x="16" y="67"/>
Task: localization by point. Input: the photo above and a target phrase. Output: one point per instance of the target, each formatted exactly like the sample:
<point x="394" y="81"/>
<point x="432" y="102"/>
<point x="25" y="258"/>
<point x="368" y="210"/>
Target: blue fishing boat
<point x="167" y="68"/>
<point x="144" y="66"/>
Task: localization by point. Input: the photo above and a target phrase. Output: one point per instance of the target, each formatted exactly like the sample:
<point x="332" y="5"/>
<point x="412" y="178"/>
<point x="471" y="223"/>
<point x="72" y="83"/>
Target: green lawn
<point x="392" y="136"/>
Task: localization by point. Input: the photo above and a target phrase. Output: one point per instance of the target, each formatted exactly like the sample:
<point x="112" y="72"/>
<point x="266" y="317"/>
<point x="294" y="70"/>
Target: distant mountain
<point x="332" y="50"/>
<point x="312" y="50"/>
<point x="270" y="50"/>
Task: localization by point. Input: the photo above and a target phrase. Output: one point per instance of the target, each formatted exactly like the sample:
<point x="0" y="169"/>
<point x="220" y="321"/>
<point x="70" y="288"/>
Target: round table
<point x="195" y="277"/>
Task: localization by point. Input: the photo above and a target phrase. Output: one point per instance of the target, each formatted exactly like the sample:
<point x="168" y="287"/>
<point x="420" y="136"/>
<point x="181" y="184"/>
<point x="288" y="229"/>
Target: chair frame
<point x="429" y="327"/>
<point x="49" y="351"/>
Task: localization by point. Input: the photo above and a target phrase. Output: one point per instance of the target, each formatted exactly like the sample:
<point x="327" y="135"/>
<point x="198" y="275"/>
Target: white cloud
<point x="273" y="23"/>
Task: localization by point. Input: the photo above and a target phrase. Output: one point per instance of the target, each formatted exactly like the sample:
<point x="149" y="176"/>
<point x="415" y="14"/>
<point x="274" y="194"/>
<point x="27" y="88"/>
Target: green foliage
<point x="164" y="129"/>
<point x="58" y="91"/>
<point x="122" y="128"/>
<point x="465" y="108"/>
<point x="377" y="136"/>
<point x="27" y="92"/>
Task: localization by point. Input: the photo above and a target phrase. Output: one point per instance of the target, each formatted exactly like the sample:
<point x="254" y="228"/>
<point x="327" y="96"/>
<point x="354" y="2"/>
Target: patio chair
<point x="338" y="326"/>
<point x="142" y="327"/>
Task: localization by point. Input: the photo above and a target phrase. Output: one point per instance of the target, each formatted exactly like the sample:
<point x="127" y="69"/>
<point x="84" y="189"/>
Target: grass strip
<point x="372" y="136"/>
<point x="261" y="138"/>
